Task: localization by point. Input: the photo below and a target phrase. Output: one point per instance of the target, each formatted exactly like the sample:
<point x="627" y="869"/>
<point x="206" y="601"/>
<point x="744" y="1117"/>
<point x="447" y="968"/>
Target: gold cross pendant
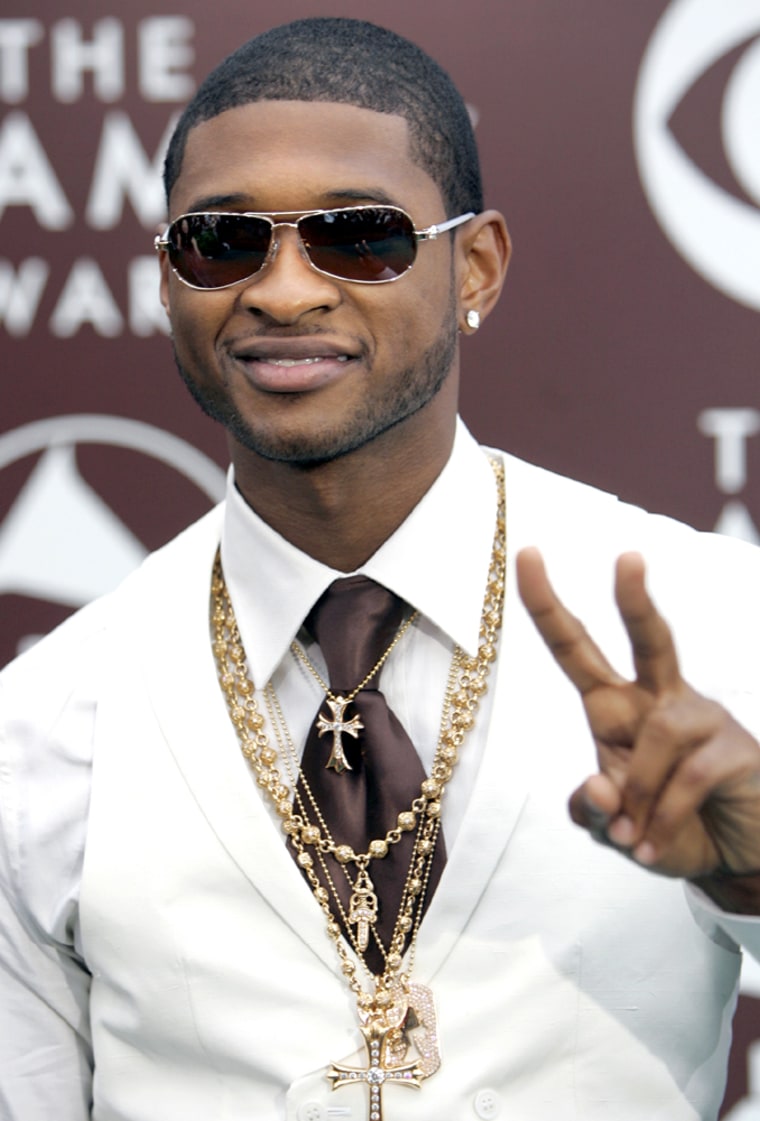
<point x="378" y="1073"/>
<point x="338" y="725"/>
<point x="406" y="1019"/>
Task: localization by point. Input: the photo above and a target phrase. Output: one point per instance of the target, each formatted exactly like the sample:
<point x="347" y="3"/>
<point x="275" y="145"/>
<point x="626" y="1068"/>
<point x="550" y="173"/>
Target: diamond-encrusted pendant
<point x="389" y="1029"/>
<point x="338" y="725"/>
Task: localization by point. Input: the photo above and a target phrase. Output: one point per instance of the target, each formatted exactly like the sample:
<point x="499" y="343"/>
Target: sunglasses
<point x="363" y="244"/>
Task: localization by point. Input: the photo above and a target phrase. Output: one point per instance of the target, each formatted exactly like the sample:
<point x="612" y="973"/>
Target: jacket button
<point x="487" y="1105"/>
<point x="311" y="1111"/>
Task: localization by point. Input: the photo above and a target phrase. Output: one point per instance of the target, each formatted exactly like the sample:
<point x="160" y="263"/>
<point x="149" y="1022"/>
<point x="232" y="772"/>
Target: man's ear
<point x="485" y="251"/>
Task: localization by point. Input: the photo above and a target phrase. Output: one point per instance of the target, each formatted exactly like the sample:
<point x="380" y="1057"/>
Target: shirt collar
<point x="437" y="561"/>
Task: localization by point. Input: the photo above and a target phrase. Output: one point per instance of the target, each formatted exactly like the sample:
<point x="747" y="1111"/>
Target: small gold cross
<point x="338" y="726"/>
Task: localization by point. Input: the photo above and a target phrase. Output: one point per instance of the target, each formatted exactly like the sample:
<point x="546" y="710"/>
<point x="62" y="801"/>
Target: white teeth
<point x="293" y="361"/>
<point x="288" y="362"/>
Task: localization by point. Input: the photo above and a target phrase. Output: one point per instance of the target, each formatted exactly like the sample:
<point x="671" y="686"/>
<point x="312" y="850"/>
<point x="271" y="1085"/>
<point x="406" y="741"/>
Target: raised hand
<point x="678" y="787"/>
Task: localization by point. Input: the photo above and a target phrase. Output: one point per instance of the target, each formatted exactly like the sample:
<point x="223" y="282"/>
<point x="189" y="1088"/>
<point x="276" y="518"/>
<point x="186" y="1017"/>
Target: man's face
<point x="302" y="367"/>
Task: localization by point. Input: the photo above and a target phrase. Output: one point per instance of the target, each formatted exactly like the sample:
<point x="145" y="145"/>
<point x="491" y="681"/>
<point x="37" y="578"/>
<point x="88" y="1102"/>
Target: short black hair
<point x="357" y="63"/>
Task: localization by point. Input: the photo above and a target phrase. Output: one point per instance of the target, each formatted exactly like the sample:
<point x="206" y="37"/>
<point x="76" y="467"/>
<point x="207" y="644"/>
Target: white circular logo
<point x="717" y="233"/>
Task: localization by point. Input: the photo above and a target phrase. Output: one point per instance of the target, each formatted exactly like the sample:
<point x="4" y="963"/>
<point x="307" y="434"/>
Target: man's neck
<point x="341" y="512"/>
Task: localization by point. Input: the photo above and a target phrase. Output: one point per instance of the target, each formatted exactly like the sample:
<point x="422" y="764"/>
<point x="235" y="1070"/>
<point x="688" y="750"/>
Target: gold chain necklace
<point x="396" y="1003"/>
<point x="363" y="903"/>
<point x="338" y="703"/>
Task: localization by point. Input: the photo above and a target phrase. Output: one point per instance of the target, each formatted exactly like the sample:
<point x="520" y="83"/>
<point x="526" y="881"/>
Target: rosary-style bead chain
<point x="411" y="907"/>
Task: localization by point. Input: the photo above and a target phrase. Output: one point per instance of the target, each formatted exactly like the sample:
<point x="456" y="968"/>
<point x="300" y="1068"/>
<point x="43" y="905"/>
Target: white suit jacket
<point x="569" y="983"/>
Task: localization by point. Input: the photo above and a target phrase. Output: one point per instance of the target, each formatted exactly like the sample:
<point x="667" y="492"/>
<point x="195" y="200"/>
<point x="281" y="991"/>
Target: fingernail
<point x="597" y="818"/>
<point x="622" y="831"/>
<point x="645" y="853"/>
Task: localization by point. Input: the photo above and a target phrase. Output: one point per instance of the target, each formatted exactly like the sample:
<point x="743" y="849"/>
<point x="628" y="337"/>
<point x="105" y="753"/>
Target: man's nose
<point x="287" y="287"/>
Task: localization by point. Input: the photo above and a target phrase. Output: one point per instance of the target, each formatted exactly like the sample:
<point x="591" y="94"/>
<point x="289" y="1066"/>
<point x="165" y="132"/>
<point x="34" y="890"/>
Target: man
<point x="239" y="880"/>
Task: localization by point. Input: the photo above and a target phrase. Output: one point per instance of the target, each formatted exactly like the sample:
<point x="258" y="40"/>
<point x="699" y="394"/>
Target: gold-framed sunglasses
<point x="362" y="244"/>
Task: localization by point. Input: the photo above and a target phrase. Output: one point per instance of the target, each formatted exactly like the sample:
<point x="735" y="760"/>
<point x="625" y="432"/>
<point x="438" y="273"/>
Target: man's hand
<point x="678" y="787"/>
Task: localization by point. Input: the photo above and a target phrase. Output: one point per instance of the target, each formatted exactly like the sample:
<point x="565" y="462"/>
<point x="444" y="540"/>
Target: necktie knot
<point x="354" y="622"/>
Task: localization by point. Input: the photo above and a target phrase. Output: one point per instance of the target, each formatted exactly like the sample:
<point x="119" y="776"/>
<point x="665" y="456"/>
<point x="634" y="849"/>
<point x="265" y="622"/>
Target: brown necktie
<point x="354" y="622"/>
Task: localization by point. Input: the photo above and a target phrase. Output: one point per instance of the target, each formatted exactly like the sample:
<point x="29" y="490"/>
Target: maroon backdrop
<point x="620" y="141"/>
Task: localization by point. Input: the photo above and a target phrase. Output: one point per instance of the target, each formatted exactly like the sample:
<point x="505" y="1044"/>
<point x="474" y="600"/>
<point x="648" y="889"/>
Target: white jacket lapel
<point x="195" y="726"/>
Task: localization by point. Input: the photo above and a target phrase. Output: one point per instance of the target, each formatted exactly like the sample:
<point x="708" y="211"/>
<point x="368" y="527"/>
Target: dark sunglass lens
<point x="213" y="250"/>
<point x="370" y="243"/>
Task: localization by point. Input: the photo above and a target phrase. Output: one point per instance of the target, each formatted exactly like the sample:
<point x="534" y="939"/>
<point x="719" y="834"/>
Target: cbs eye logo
<point x="716" y="230"/>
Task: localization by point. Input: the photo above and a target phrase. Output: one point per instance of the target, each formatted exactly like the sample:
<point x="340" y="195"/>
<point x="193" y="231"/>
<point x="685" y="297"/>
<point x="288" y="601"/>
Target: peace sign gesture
<point x="678" y="787"/>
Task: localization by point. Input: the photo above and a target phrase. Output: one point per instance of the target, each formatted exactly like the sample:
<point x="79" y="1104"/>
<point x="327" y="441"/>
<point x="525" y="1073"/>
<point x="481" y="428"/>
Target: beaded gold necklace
<point x="394" y="1003"/>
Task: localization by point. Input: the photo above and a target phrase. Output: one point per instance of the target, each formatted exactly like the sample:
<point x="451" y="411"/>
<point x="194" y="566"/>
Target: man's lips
<point x="293" y="365"/>
<point x="293" y="350"/>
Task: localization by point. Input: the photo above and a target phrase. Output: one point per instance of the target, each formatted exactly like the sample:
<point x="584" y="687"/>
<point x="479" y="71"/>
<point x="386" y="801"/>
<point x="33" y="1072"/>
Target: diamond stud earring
<point x="472" y="319"/>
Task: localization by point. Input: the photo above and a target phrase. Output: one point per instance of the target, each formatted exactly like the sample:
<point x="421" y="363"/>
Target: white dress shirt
<point x="274" y="585"/>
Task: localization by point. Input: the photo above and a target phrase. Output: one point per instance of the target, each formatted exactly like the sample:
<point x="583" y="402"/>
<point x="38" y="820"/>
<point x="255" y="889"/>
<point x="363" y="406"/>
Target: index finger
<point x="573" y="648"/>
<point x="654" y="652"/>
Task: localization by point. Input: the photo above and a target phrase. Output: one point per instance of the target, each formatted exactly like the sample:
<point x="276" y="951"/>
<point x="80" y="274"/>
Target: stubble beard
<point x="416" y="386"/>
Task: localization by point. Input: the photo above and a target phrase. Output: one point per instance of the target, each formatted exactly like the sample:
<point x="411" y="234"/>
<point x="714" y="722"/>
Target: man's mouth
<point x="295" y="366"/>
